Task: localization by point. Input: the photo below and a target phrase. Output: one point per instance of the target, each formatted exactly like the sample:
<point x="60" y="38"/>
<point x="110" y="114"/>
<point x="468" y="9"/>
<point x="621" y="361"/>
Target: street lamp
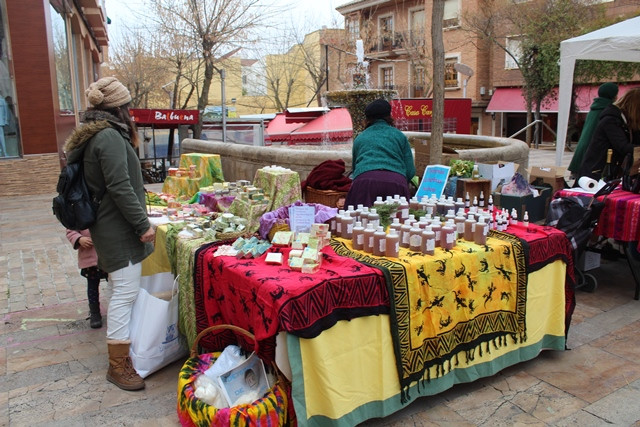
<point x="465" y="70"/>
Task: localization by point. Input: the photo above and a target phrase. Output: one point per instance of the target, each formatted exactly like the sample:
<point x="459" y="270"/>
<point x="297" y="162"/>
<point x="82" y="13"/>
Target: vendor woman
<point x="382" y="159"/>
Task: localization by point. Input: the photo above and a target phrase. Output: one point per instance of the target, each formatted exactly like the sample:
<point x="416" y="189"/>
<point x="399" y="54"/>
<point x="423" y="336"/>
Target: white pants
<point x="126" y="285"/>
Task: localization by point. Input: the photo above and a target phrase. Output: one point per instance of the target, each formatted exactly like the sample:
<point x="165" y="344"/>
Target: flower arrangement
<point x="461" y="168"/>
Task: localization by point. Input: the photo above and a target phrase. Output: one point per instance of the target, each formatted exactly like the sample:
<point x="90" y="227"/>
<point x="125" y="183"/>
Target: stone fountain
<point x="355" y="100"/>
<point x="241" y="161"/>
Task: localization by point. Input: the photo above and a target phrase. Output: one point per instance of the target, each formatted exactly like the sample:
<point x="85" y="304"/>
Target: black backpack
<point x="74" y="206"/>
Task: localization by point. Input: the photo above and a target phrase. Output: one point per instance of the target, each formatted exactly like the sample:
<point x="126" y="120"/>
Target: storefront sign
<point x="163" y="117"/>
<point x="416" y="114"/>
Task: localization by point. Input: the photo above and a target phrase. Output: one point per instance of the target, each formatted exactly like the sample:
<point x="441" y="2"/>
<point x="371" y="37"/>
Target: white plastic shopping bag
<point x="154" y="325"/>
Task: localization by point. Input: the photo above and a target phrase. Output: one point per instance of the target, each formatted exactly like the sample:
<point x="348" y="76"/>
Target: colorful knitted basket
<point x="270" y="410"/>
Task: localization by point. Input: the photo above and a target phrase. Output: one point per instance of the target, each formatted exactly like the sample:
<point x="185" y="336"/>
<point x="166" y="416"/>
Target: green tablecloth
<point x="281" y="187"/>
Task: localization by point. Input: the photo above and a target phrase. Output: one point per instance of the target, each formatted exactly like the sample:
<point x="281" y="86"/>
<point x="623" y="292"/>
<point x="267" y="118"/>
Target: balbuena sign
<point x="163" y="117"/>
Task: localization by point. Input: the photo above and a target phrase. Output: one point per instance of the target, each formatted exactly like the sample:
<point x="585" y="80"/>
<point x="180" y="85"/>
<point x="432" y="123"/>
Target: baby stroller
<point x="578" y="216"/>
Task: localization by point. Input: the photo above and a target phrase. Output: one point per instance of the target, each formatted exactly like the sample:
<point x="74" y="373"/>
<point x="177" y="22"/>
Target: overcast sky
<point x="312" y="14"/>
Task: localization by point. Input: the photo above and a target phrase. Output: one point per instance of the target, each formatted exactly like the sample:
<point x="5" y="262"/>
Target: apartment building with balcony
<point x="50" y="51"/>
<point x="397" y="41"/>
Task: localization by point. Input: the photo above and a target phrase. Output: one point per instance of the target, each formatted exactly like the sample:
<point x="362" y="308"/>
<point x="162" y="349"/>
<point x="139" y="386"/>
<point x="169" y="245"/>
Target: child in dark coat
<point x="88" y="264"/>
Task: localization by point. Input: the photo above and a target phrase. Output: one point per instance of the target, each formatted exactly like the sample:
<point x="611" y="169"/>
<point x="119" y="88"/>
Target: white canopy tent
<point x="618" y="42"/>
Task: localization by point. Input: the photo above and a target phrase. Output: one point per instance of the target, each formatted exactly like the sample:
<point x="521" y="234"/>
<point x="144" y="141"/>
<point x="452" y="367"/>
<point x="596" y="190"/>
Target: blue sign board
<point x="433" y="181"/>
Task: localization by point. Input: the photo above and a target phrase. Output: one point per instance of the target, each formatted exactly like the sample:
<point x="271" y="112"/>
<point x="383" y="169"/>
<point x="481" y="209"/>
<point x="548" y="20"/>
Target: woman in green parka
<point x="122" y="234"/>
<point x="607" y="93"/>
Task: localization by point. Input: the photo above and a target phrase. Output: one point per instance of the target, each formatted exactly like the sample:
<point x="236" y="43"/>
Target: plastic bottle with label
<point x="405" y="233"/>
<point x="514" y="217"/>
<point x="481" y="231"/>
<point x="459" y="204"/>
<point x="490" y="207"/>
<point x="428" y="241"/>
<point x="339" y="223"/>
<point x="459" y="221"/>
<point x="481" y="199"/>
<point x="467" y="201"/>
<point x="347" y="225"/>
<point x="378" y="203"/>
<point x="469" y="228"/>
<point x="374" y="218"/>
<point x="415" y="238"/>
<point x="436" y="226"/>
<point x="364" y="216"/>
<point x="395" y="225"/>
<point x="357" y="237"/>
<point x="403" y="208"/>
<point x="447" y="236"/>
<point x="392" y="244"/>
<point x="368" y="239"/>
<point x="525" y="219"/>
<point x="379" y="242"/>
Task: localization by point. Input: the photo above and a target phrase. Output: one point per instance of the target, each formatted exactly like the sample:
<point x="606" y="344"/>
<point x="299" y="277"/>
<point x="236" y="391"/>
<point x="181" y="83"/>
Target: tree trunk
<point x="437" y="45"/>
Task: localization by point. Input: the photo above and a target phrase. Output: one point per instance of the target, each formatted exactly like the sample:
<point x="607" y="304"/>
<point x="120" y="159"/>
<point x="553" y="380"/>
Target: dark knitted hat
<point x="608" y="90"/>
<point x="378" y="109"/>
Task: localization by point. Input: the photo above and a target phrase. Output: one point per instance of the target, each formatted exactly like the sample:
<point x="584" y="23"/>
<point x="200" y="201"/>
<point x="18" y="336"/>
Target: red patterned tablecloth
<point x="620" y="218"/>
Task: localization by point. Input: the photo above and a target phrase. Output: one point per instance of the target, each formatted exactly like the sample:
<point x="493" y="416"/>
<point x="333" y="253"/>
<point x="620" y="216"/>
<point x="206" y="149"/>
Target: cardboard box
<point x="497" y="172"/>
<point x="589" y="260"/>
<point x="551" y="175"/>
<point x="422" y="155"/>
<point x="536" y="207"/>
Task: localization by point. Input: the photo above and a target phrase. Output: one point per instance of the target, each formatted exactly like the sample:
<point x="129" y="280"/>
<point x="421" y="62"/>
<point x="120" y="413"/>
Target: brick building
<point x="51" y="51"/>
<point x="396" y="35"/>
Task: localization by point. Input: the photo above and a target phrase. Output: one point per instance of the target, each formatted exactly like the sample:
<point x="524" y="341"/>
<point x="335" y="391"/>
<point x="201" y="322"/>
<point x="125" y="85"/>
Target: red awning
<point x="279" y="129"/>
<point x="333" y="126"/>
<point x="511" y="100"/>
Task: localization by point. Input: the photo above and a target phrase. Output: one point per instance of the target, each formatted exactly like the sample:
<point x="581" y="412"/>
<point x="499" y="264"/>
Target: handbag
<point x="154" y="325"/>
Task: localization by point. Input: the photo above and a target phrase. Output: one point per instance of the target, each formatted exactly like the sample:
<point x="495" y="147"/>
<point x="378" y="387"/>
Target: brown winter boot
<point x="121" y="371"/>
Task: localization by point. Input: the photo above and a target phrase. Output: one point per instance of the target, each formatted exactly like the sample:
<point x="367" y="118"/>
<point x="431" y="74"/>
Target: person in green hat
<point x="607" y="93"/>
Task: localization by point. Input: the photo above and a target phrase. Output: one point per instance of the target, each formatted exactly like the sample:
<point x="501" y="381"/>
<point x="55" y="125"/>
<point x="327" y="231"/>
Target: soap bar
<point x="273" y="258"/>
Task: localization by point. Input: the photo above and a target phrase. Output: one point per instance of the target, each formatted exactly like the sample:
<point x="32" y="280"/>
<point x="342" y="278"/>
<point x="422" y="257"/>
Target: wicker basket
<point x="325" y="197"/>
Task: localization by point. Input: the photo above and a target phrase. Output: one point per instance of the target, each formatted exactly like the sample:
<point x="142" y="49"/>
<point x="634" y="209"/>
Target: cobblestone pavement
<point x="52" y="365"/>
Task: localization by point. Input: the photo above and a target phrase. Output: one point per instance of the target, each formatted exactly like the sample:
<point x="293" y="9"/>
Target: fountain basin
<point x="242" y="161"/>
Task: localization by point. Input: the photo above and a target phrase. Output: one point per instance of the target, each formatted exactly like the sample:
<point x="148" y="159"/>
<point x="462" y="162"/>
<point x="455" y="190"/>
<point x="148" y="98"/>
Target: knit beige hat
<point x="107" y="92"/>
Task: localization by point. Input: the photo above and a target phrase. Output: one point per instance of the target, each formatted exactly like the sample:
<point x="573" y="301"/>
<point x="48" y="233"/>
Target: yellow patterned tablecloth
<point x="281" y="187"/>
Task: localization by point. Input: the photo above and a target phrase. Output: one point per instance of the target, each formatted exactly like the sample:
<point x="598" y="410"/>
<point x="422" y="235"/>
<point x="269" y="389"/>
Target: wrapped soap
<point x="273" y="258"/>
<point x="309" y="255"/>
<point x="295" y="253"/>
<point x="295" y="263"/>
<point x="282" y="238"/>
<point x="310" y="268"/>
<point x="313" y="243"/>
<point x="297" y="244"/>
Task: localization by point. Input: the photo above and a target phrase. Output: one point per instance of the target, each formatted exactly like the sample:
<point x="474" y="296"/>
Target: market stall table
<point x="208" y="169"/>
<point x="339" y="331"/>
<point x="281" y="186"/>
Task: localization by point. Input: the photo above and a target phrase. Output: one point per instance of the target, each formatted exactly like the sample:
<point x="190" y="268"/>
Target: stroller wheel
<point x="590" y="283"/>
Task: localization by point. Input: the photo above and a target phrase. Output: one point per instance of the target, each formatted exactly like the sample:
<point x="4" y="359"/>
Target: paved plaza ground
<point x="52" y="365"/>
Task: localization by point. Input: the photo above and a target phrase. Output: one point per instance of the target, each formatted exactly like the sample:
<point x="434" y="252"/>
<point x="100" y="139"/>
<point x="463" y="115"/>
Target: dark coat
<point x="611" y="132"/>
<point x="111" y="164"/>
<point x="586" y="135"/>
